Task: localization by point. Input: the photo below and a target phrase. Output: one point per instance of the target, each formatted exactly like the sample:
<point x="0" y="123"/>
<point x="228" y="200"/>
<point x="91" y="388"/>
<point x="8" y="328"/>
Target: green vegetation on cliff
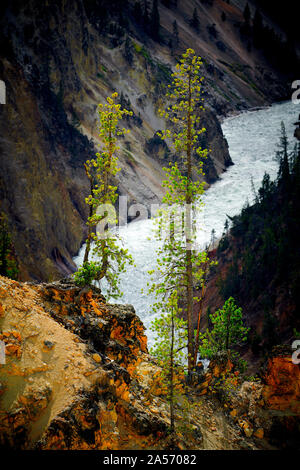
<point x="180" y="264"/>
<point x="264" y="241"/>
<point x="227" y="330"/>
<point x="110" y="257"/>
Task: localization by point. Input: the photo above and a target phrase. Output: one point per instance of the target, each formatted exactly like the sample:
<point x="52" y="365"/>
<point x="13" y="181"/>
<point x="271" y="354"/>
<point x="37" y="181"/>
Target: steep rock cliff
<point x="58" y="61"/>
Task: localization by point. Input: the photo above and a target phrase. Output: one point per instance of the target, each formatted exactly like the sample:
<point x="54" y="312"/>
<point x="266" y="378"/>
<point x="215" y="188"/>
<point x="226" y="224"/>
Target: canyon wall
<point x="58" y="61"/>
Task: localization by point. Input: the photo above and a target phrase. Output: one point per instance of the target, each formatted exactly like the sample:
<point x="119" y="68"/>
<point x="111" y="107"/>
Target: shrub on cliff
<point x="227" y="330"/>
<point x="86" y="273"/>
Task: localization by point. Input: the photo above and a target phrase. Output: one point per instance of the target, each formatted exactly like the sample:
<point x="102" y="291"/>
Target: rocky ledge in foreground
<point x="77" y="375"/>
<point x="77" y="372"/>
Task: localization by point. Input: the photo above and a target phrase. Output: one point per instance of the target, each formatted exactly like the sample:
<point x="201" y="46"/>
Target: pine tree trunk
<point x="105" y="264"/>
<point x="172" y="427"/>
<point x="188" y="238"/>
<point x="91" y="212"/>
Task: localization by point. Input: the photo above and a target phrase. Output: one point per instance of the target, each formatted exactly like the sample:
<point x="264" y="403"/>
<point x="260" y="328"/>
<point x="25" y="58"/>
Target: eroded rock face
<point x="68" y="382"/>
<point x="57" y="67"/>
<point x="77" y="372"/>
<point x="266" y="409"/>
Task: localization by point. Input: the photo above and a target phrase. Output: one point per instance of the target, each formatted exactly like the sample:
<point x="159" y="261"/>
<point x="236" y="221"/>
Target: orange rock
<point x="96" y="358"/>
<point x="282" y="389"/>
<point x="16" y="334"/>
<point x="23" y="400"/>
<point x="118" y="334"/>
<point x="15" y="370"/>
<point x="64" y="310"/>
<point x="143" y="343"/>
<point x="96" y="307"/>
<point x="3" y="292"/>
<point x="259" y="433"/>
<point x="13" y="349"/>
<point x="246" y="427"/>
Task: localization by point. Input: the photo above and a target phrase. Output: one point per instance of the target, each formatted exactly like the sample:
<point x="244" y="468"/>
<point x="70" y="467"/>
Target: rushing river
<point x="252" y="138"/>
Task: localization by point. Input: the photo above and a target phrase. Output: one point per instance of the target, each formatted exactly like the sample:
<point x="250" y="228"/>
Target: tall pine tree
<point x="180" y="264"/>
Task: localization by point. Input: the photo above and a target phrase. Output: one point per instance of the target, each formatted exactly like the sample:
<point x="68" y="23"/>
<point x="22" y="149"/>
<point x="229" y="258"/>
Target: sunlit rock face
<point x="77" y="373"/>
<point x="71" y="377"/>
